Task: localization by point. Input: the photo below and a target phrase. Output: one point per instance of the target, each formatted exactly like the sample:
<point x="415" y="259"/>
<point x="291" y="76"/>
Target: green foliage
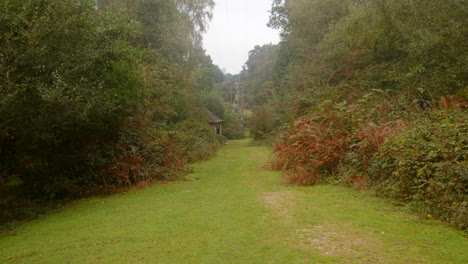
<point x="397" y="42"/>
<point x="65" y="85"/>
<point x="163" y="28"/>
<point x="89" y="92"/>
<point x="213" y="102"/>
<point x="197" y="13"/>
<point x="402" y="46"/>
<point x="164" y="99"/>
<point x="261" y="122"/>
<point x="259" y="74"/>
<point x="233" y="126"/>
<point x="204" y="76"/>
<point x="197" y="139"/>
<point x="427" y="166"/>
<point x="359" y="143"/>
<point x="360" y="72"/>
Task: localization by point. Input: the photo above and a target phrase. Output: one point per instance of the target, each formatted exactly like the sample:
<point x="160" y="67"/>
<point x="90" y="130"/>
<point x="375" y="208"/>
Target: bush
<point x="424" y="165"/>
<point x="60" y="91"/>
<point x="261" y="122"/>
<point x="232" y="128"/>
<point x="336" y="142"/>
<point x="141" y="154"/>
<point x="427" y="166"/>
<point x="311" y="150"/>
<point x="197" y="139"/>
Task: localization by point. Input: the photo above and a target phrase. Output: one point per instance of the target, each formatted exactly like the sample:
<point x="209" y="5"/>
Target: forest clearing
<point x="233" y="210"/>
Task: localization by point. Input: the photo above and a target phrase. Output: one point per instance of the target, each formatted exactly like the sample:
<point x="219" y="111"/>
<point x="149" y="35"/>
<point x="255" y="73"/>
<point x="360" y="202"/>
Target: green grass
<point x="231" y="210"/>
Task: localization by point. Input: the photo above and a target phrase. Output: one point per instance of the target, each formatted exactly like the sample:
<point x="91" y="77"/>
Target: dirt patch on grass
<point x="331" y="242"/>
<point x="328" y="239"/>
<point x="280" y="202"/>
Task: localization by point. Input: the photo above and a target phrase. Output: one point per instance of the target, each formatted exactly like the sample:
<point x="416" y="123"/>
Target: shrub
<point x="366" y="142"/>
<point x="232" y="128"/>
<point x="143" y="154"/>
<point x="335" y="142"/>
<point x="427" y="166"/>
<point x="311" y="150"/>
<point x="314" y="148"/>
<point x="197" y="139"/>
<point x="261" y="122"/>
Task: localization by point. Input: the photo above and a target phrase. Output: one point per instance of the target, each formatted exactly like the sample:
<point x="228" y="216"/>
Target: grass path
<point x="233" y="211"/>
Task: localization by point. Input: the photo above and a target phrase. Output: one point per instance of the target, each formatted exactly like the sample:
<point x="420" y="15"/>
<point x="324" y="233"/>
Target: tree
<point x="260" y="69"/>
<point x="198" y="14"/>
<point x="88" y="87"/>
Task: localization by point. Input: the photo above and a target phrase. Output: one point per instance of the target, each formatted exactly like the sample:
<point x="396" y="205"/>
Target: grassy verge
<point x="233" y="211"/>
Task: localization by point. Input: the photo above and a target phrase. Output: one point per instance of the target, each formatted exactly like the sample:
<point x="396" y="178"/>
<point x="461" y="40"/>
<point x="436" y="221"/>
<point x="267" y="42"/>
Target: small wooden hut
<point x="214" y="121"/>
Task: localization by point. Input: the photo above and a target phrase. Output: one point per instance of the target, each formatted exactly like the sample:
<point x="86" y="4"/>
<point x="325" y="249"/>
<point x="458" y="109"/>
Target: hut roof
<point x="211" y="118"/>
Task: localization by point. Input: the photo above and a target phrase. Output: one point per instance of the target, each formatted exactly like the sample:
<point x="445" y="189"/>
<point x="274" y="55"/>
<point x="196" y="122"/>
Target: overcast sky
<point x="237" y="26"/>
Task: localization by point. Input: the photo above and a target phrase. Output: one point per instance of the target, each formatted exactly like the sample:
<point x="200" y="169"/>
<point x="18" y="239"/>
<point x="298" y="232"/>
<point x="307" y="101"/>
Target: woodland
<point x="98" y="97"/>
<point x="372" y="94"/>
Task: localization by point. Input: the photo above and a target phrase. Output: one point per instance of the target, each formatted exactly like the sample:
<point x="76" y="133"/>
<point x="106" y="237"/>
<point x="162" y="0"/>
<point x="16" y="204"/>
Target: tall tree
<point x="198" y="13"/>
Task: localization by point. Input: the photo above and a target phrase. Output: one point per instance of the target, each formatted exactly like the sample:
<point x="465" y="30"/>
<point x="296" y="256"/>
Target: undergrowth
<point x="142" y="154"/>
<point x="427" y="166"/>
<point x="418" y="157"/>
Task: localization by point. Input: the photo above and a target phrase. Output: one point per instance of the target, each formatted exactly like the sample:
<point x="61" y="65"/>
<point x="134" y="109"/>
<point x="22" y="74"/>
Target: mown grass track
<point x="232" y="210"/>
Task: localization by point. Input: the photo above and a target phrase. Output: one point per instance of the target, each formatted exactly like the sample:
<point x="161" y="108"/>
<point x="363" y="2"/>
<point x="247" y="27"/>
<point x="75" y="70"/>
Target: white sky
<point x="237" y="26"/>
